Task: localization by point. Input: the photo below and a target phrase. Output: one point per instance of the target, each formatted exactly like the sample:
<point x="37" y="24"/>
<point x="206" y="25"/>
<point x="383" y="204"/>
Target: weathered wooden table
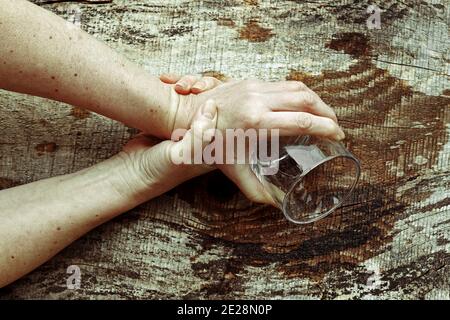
<point x="390" y="88"/>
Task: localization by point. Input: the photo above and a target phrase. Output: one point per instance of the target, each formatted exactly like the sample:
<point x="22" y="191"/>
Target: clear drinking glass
<point x="310" y="178"/>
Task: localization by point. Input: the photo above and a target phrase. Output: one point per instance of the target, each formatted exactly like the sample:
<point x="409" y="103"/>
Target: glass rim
<point x="329" y="211"/>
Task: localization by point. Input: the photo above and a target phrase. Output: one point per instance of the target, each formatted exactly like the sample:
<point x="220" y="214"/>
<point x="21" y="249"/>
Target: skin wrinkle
<point x="304" y="121"/>
<point x="109" y="84"/>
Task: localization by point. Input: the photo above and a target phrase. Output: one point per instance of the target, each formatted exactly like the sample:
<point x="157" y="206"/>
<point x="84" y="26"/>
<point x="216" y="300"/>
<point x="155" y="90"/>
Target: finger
<point x="184" y="85"/>
<point x="204" y="123"/>
<point x="204" y="84"/>
<point x="282" y="86"/>
<point x="248" y="183"/>
<point x="305" y="100"/>
<point x="301" y="123"/>
<point x="169" y="78"/>
<point x="201" y="133"/>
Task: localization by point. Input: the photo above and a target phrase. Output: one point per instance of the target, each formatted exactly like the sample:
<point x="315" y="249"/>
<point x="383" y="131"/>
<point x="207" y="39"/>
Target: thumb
<point x="190" y="149"/>
<point x="248" y="183"/>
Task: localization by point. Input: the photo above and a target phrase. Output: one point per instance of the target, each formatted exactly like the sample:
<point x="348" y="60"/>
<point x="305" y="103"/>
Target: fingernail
<point x="209" y="109"/>
<point x="182" y="84"/>
<point x="199" y="86"/>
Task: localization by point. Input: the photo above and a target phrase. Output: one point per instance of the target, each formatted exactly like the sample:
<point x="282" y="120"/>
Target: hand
<point x="241" y="175"/>
<point x="286" y="105"/>
<point x="150" y="168"/>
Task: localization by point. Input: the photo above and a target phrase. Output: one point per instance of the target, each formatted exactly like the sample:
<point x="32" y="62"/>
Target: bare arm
<point x="42" y="54"/>
<point x="39" y="219"/>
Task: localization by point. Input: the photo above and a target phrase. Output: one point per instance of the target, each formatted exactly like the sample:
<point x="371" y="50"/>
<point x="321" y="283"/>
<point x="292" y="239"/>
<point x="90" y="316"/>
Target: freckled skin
<point x="111" y="85"/>
<point x="72" y="63"/>
<point x="52" y="224"/>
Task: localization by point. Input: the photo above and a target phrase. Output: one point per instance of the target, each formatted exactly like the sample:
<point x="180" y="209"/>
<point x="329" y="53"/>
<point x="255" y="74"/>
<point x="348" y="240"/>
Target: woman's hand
<point x="39" y="219"/>
<point x="289" y="106"/>
<point x="153" y="168"/>
<point x="286" y="105"/>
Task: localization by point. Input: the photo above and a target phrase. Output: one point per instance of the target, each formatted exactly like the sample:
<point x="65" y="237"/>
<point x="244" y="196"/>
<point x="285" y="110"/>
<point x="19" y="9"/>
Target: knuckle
<point x="200" y="81"/>
<point x="308" y="98"/>
<point x="298" y="98"/>
<point x="304" y="120"/>
<point x="252" y="119"/>
<point x="170" y="77"/>
<point x="146" y="171"/>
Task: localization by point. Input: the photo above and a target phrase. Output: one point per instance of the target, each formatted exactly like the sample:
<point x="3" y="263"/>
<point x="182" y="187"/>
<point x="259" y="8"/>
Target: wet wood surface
<point x="390" y="88"/>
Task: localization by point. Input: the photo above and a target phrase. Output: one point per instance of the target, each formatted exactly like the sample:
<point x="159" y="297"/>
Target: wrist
<point x="152" y="107"/>
<point x="185" y="111"/>
<point x="128" y="179"/>
<point x="171" y="104"/>
<point x="166" y="110"/>
<point x="139" y="176"/>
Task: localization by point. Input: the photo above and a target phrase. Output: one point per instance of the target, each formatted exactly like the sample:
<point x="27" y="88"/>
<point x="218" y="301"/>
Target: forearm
<point x="42" y="54"/>
<point x="39" y="219"/>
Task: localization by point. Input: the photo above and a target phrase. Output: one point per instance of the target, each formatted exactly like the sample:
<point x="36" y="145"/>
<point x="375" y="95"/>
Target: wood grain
<point x="390" y="88"/>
